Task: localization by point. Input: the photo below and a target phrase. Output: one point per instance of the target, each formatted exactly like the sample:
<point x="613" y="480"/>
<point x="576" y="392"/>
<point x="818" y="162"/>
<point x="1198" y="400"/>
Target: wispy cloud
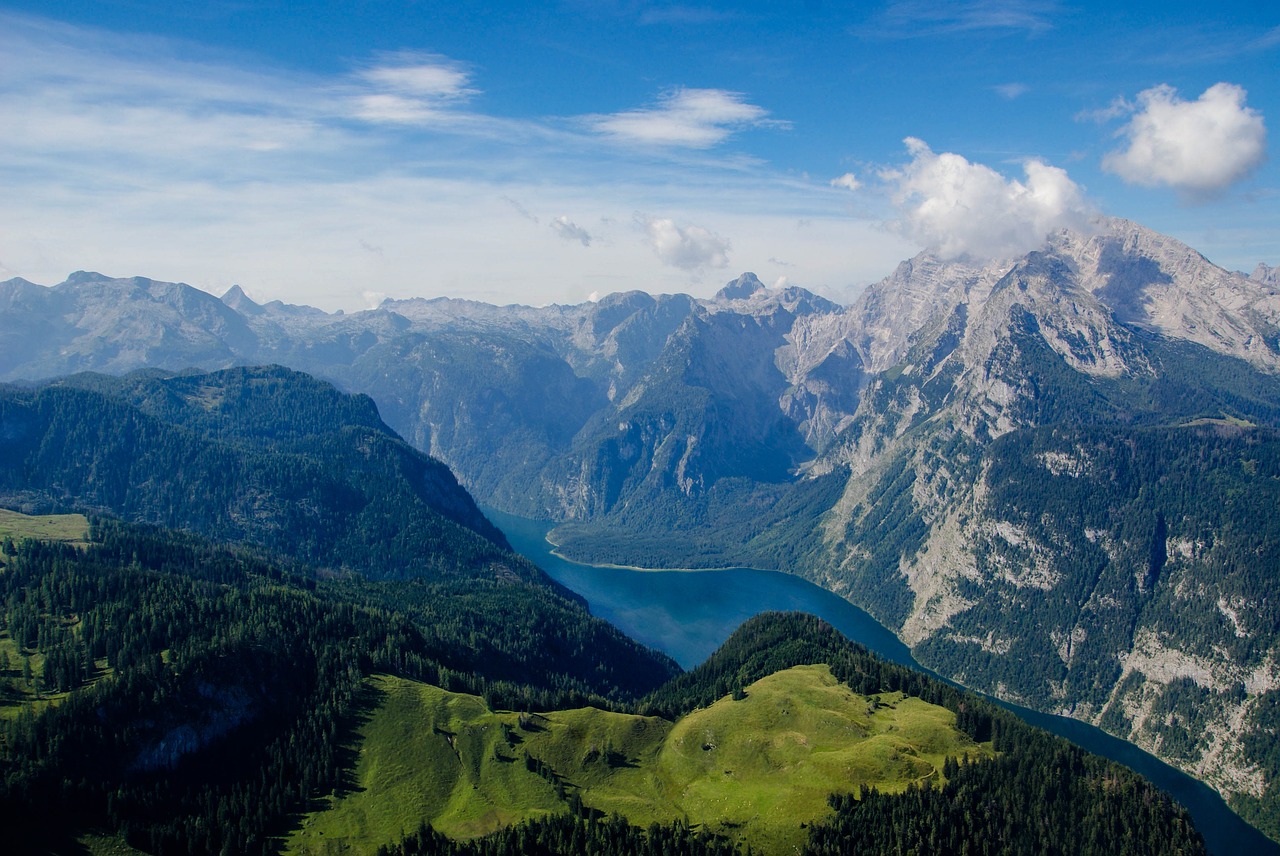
<point x="1117" y="109"/>
<point x="682" y="14"/>
<point x="75" y="102"/>
<point x="1011" y="91"/>
<point x="520" y="209"/>
<point x="918" y="18"/>
<point x="410" y="88"/>
<point x="571" y="231"/>
<point x="689" y="118"/>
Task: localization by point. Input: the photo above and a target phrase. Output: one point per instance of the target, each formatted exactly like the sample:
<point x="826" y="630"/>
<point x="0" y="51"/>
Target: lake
<point x="688" y="614"/>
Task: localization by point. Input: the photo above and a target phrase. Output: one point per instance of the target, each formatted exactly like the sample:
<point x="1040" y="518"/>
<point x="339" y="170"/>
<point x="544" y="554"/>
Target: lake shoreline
<point x="555" y="551"/>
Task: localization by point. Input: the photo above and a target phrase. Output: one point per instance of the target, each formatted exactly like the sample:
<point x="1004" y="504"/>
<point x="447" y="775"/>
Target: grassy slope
<point x="754" y="769"/>
<point x="72" y="528"/>
<point x="69" y="528"/>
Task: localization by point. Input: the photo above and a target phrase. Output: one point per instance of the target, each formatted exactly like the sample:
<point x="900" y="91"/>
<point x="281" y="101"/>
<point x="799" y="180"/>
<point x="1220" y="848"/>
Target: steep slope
<point x="265" y="456"/>
<point x="1061" y="508"/>
<point x="1156" y="282"/>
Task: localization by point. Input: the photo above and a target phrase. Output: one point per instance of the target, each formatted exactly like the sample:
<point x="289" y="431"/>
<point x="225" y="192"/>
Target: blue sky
<point x="336" y="153"/>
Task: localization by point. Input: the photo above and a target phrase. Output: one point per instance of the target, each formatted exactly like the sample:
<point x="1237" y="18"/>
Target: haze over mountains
<point x="1053" y="476"/>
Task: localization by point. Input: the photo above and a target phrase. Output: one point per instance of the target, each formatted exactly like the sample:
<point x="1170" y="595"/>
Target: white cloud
<point x="1201" y="147"/>
<point x="848" y="181"/>
<point x="432" y="77"/>
<point x="410" y="89"/>
<point x="1117" y="109"/>
<point x="571" y="231"/>
<point x="686" y="247"/>
<point x="956" y="207"/>
<point x="1011" y="91"/>
<point x="690" y="118"/>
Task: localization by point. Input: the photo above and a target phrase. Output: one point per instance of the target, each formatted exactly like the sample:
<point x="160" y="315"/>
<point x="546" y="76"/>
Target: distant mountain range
<point x="1054" y="476"/>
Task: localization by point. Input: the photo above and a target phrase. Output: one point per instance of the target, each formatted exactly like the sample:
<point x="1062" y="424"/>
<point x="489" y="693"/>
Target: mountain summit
<point x="741" y="288"/>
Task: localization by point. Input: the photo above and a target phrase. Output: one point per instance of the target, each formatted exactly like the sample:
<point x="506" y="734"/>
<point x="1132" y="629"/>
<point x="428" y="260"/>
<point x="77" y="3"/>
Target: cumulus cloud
<point x="848" y="181"/>
<point x="686" y="247"/>
<point x="571" y="231"/>
<point x="410" y="88"/>
<point x="1199" y="147"/>
<point x="956" y="207"/>
<point x="689" y="118"/>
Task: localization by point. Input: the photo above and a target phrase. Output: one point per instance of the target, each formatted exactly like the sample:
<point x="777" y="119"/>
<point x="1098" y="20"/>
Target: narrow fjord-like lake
<point x="688" y="614"/>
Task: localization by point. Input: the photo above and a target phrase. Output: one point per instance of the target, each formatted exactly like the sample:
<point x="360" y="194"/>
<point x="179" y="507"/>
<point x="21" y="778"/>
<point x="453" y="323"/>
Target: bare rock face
<point x="921" y="293"/>
<point x="1266" y="275"/>
<point x="1154" y="281"/>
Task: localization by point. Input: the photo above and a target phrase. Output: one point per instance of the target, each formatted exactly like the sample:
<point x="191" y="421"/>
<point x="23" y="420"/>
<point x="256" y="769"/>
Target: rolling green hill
<point x="756" y="769"/>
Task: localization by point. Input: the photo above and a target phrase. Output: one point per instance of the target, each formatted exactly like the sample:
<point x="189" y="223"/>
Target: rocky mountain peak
<point x="1267" y="275"/>
<point x="920" y="293"/>
<point x="1157" y="282"/>
<point x="241" y="302"/>
<point x="84" y="276"/>
<point x="748" y="295"/>
<point x="743" y="287"/>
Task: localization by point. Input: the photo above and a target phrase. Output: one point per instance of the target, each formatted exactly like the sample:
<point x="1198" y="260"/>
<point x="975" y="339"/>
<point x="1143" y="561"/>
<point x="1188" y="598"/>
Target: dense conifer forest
<point x="208" y="689"/>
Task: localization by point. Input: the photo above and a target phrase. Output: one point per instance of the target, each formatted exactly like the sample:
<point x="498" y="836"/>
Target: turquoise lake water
<point x="688" y="614"/>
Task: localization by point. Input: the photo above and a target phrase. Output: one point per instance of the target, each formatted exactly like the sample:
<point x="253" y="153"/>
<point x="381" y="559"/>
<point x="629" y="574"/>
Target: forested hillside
<point x="265" y="456"/>
<point x="189" y="696"/>
<point x="1041" y="795"/>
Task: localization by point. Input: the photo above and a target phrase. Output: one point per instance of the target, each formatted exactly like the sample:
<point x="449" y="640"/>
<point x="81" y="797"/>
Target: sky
<point x="339" y="153"/>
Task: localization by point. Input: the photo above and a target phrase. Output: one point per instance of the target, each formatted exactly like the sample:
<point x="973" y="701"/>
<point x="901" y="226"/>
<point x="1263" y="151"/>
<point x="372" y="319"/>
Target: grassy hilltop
<point x="755" y="769"/>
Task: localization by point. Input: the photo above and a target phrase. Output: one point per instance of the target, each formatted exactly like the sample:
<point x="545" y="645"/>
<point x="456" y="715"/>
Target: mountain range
<point x="1053" y="476"/>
